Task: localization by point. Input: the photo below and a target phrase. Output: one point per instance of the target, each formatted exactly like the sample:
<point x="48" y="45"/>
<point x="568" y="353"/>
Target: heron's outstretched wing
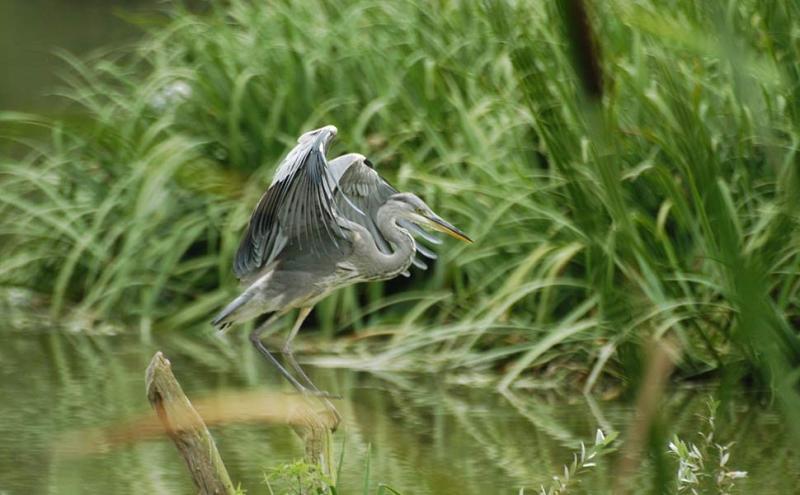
<point x="297" y="207"/>
<point x="359" y="186"/>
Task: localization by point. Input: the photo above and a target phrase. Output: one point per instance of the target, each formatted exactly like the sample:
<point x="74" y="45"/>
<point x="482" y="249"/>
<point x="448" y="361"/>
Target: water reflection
<point x="426" y="436"/>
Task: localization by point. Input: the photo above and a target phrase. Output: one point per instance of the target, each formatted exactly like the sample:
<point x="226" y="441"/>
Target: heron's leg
<point x="255" y="338"/>
<point x="301" y="317"/>
<point x="289" y="355"/>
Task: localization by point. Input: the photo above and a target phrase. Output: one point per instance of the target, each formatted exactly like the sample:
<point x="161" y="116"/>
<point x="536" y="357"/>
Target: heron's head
<point x="414" y="209"/>
<point x="320" y="137"/>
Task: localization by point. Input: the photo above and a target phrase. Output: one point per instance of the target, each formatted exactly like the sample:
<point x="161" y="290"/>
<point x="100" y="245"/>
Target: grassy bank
<point x="660" y="204"/>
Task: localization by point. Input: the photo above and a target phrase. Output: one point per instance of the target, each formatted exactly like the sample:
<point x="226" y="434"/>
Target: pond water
<point x="424" y="435"/>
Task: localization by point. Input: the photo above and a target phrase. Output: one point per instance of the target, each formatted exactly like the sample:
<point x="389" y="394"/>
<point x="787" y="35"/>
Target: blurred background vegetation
<point x="666" y="209"/>
<point x="642" y="191"/>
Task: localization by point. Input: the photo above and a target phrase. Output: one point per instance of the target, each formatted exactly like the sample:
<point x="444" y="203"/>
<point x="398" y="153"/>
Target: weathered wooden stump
<point x="188" y="431"/>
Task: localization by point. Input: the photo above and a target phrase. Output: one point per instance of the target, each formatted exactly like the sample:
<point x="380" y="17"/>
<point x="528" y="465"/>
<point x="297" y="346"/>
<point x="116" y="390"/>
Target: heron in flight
<point x="321" y="226"/>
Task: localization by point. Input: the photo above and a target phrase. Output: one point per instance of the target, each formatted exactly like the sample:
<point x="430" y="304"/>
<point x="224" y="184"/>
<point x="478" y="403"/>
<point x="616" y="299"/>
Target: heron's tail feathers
<point x="229" y="315"/>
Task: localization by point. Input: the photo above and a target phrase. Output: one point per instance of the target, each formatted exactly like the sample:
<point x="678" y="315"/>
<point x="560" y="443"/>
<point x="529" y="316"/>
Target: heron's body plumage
<point x="316" y="230"/>
<point x="321" y="226"/>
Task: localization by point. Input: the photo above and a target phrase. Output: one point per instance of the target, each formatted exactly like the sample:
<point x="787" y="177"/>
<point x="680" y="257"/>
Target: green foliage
<point x="703" y="467"/>
<point x="299" y="478"/>
<point x="581" y="462"/>
<point x="667" y="207"/>
<point x="302" y="478"/>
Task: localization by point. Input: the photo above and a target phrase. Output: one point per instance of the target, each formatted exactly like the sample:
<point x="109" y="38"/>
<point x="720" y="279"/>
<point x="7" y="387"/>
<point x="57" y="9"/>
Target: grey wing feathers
<point x="298" y="206"/>
<point x="367" y="191"/>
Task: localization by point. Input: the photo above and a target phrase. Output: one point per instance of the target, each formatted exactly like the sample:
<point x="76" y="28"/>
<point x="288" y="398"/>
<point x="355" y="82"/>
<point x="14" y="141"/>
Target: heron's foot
<point x="308" y="387"/>
<point x="317" y="393"/>
<point x="328" y="415"/>
<point x="335" y="417"/>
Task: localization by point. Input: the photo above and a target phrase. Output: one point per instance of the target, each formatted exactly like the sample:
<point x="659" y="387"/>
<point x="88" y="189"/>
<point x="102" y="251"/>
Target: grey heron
<point x="321" y="226"/>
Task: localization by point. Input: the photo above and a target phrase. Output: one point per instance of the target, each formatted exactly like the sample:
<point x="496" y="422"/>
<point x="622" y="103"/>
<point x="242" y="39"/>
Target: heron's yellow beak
<point x="437" y="223"/>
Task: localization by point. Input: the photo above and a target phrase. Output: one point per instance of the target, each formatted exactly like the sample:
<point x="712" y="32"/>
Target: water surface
<point x="426" y="434"/>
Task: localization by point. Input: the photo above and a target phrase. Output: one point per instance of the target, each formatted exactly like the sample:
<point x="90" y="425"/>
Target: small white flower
<point x="171" y="94"/>
<point x="599" y="437"/>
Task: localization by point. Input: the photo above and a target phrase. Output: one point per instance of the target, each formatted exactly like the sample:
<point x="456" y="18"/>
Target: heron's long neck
<point x="402" y="242"/>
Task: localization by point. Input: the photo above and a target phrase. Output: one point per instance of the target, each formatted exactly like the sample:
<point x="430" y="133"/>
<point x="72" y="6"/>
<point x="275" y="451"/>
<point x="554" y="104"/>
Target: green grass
<point x="667" y="208"/>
